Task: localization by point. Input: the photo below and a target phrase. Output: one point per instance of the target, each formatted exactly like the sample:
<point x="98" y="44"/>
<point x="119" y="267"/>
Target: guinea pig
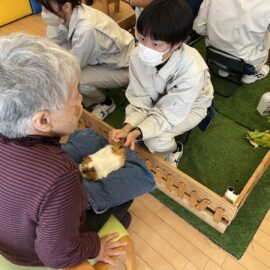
<point x="103" y="162"/>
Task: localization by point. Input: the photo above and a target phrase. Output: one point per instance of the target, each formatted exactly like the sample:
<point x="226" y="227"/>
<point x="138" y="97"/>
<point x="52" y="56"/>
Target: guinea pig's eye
<point x="88" y="170"/>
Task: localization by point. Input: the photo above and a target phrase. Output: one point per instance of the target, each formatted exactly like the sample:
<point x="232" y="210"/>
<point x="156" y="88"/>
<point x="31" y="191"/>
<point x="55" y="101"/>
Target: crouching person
<point x="169" y="89"/>
<point x="43" y="204"/>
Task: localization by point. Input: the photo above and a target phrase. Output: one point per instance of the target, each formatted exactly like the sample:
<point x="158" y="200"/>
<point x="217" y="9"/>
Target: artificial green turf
<point x="240" y="232"/>
<point x="241" y="105"/>
<point x="221" y="156"/>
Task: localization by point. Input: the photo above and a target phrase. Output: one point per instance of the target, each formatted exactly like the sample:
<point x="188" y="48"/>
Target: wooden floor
<point x="163" y="240"/>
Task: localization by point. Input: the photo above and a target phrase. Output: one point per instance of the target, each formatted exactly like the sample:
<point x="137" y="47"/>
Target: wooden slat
<point x="253" y="180"/>
<point x="164" y="168"/>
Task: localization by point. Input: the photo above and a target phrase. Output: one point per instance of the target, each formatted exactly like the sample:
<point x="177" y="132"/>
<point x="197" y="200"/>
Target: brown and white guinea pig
<point x="100" y="164"/>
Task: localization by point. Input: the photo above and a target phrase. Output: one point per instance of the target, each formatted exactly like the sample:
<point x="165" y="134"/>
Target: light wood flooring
<point x="163" y="240"/>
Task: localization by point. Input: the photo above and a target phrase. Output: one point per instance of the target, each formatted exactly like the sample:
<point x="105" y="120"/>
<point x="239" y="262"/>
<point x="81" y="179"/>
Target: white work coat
<point x="161" y="100"/>
<point x="94" y="38"/>
<point x="238" y="27"/>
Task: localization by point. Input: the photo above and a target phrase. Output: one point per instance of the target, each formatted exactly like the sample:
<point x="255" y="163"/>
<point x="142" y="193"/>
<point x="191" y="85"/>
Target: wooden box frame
<point x="215" y="210"/>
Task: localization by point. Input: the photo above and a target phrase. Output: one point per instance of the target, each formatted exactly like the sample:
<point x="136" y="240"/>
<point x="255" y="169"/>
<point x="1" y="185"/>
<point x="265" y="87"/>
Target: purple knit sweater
<point x="42" y="205"/>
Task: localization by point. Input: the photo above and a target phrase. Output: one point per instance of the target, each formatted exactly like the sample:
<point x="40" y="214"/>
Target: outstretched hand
<point x="115" y="135"/>
<point x="109" y="248"/>
<point x="131" y="140"/>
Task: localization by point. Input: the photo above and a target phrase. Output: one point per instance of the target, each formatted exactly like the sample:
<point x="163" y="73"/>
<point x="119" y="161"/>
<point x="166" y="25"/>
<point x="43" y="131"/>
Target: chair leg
<point x="117" y="5"/>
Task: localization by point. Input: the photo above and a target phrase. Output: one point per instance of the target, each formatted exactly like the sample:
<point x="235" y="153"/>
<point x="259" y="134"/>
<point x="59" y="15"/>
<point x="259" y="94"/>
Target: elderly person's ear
<point x="41" y="121"/>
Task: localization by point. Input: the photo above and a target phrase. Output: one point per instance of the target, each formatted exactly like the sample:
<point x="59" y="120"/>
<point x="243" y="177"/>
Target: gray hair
<point x="35" y="75"/>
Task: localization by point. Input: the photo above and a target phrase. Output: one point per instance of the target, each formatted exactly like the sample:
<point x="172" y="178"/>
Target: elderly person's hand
<point x="109" y="248"/>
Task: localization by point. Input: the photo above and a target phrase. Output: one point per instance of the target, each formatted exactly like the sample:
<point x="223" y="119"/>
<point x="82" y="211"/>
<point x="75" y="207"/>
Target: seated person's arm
<point x="200" y="23"/>
<point x="136" y="111"/>
<point x="140" y="3"/>
<point x="58" y="36"/>
<point x="60" y="240"/>
<point x="266" y="41"/>
<point x="85" y="46"/>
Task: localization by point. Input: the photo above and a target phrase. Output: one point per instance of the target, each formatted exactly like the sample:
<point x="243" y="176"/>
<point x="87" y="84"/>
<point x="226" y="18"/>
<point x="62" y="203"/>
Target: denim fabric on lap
<point x="83" y="142"/>
<point x="120" y="186"/>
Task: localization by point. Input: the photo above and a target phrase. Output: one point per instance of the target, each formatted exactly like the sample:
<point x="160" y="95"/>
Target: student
<point x="102" y="47"/>
<point x="170" y="88"/>
<point x="240" y="28"/>
<point x="141" y="4"/>
<point x="194" y="4"/>
<point x="44" y="215"/>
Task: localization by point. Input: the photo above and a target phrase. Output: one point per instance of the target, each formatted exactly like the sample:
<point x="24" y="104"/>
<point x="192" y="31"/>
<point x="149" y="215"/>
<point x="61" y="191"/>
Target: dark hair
<point x="166" y="20"/>
<point x="47" y="3"/>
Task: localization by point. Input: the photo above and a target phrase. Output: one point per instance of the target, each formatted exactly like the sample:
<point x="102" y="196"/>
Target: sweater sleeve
<point x="59" y="241"/>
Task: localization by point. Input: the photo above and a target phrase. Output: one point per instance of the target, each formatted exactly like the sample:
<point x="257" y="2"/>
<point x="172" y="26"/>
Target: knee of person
<point x="85" y="88"/>
<point x="158" y="145"/>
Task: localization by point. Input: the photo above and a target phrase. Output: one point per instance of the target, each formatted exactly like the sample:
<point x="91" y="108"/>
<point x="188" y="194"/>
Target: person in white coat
<point x="240" y="28"/>
<point x="141" y="4"/>
<point x="102" y="47"/>
<point x="170" y="89"/>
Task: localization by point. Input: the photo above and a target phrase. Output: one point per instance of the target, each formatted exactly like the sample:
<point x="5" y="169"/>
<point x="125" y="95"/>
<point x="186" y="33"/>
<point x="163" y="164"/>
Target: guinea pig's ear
<point x="87" y="169"/>
<point x="90" y="174"/>
<point x="85" y="163"/>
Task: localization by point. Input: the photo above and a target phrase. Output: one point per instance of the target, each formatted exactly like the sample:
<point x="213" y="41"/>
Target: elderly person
<point x="102" y="47"/>
<point x="44" y="214"/>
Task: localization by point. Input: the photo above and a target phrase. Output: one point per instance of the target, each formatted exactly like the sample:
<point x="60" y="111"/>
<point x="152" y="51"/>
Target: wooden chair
<point x="128" y="24"/>
<point x="106" y="5"/>
<point x="112" y="225"/>
<point x="120" y="11"/>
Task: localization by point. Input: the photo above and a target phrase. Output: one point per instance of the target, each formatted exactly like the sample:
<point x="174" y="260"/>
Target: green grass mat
<point x="221" y="156"/>
<point x="240" y="232"/>
<point x="241" y="105"/>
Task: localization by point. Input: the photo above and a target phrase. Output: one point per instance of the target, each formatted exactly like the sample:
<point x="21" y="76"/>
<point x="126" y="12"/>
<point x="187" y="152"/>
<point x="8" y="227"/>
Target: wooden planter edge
<point x="198" y="199"/>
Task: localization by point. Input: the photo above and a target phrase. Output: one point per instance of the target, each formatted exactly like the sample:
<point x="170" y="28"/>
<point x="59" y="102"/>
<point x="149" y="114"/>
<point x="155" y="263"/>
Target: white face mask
<point x="51" y="18"/>
<point x="151" y="57"/>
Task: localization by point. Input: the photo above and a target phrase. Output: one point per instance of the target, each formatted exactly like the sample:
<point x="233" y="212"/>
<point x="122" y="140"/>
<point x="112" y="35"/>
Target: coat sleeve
<point x="58" y="36"/>
<point x="200" y="23"/>
<point x="85" y="46"/>
<point x="140" y="101"/>
<point x="266" y="41"/>
<point x="172" y="108"/>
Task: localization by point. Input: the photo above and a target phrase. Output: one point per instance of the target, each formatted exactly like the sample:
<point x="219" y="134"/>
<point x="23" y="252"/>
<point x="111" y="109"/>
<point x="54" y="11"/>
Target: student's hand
<point x="109" y="248"/>
<point x="115" y="135"/>
<point x="131" y="139"/>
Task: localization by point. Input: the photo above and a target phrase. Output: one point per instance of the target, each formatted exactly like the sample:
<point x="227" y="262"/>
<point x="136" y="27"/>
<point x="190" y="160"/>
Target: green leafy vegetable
<point x="258" y="138"/>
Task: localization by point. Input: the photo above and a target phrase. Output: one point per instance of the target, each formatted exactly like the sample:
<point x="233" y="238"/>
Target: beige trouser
<point x="95" y="79"/>
<point x="165" y="143"/>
